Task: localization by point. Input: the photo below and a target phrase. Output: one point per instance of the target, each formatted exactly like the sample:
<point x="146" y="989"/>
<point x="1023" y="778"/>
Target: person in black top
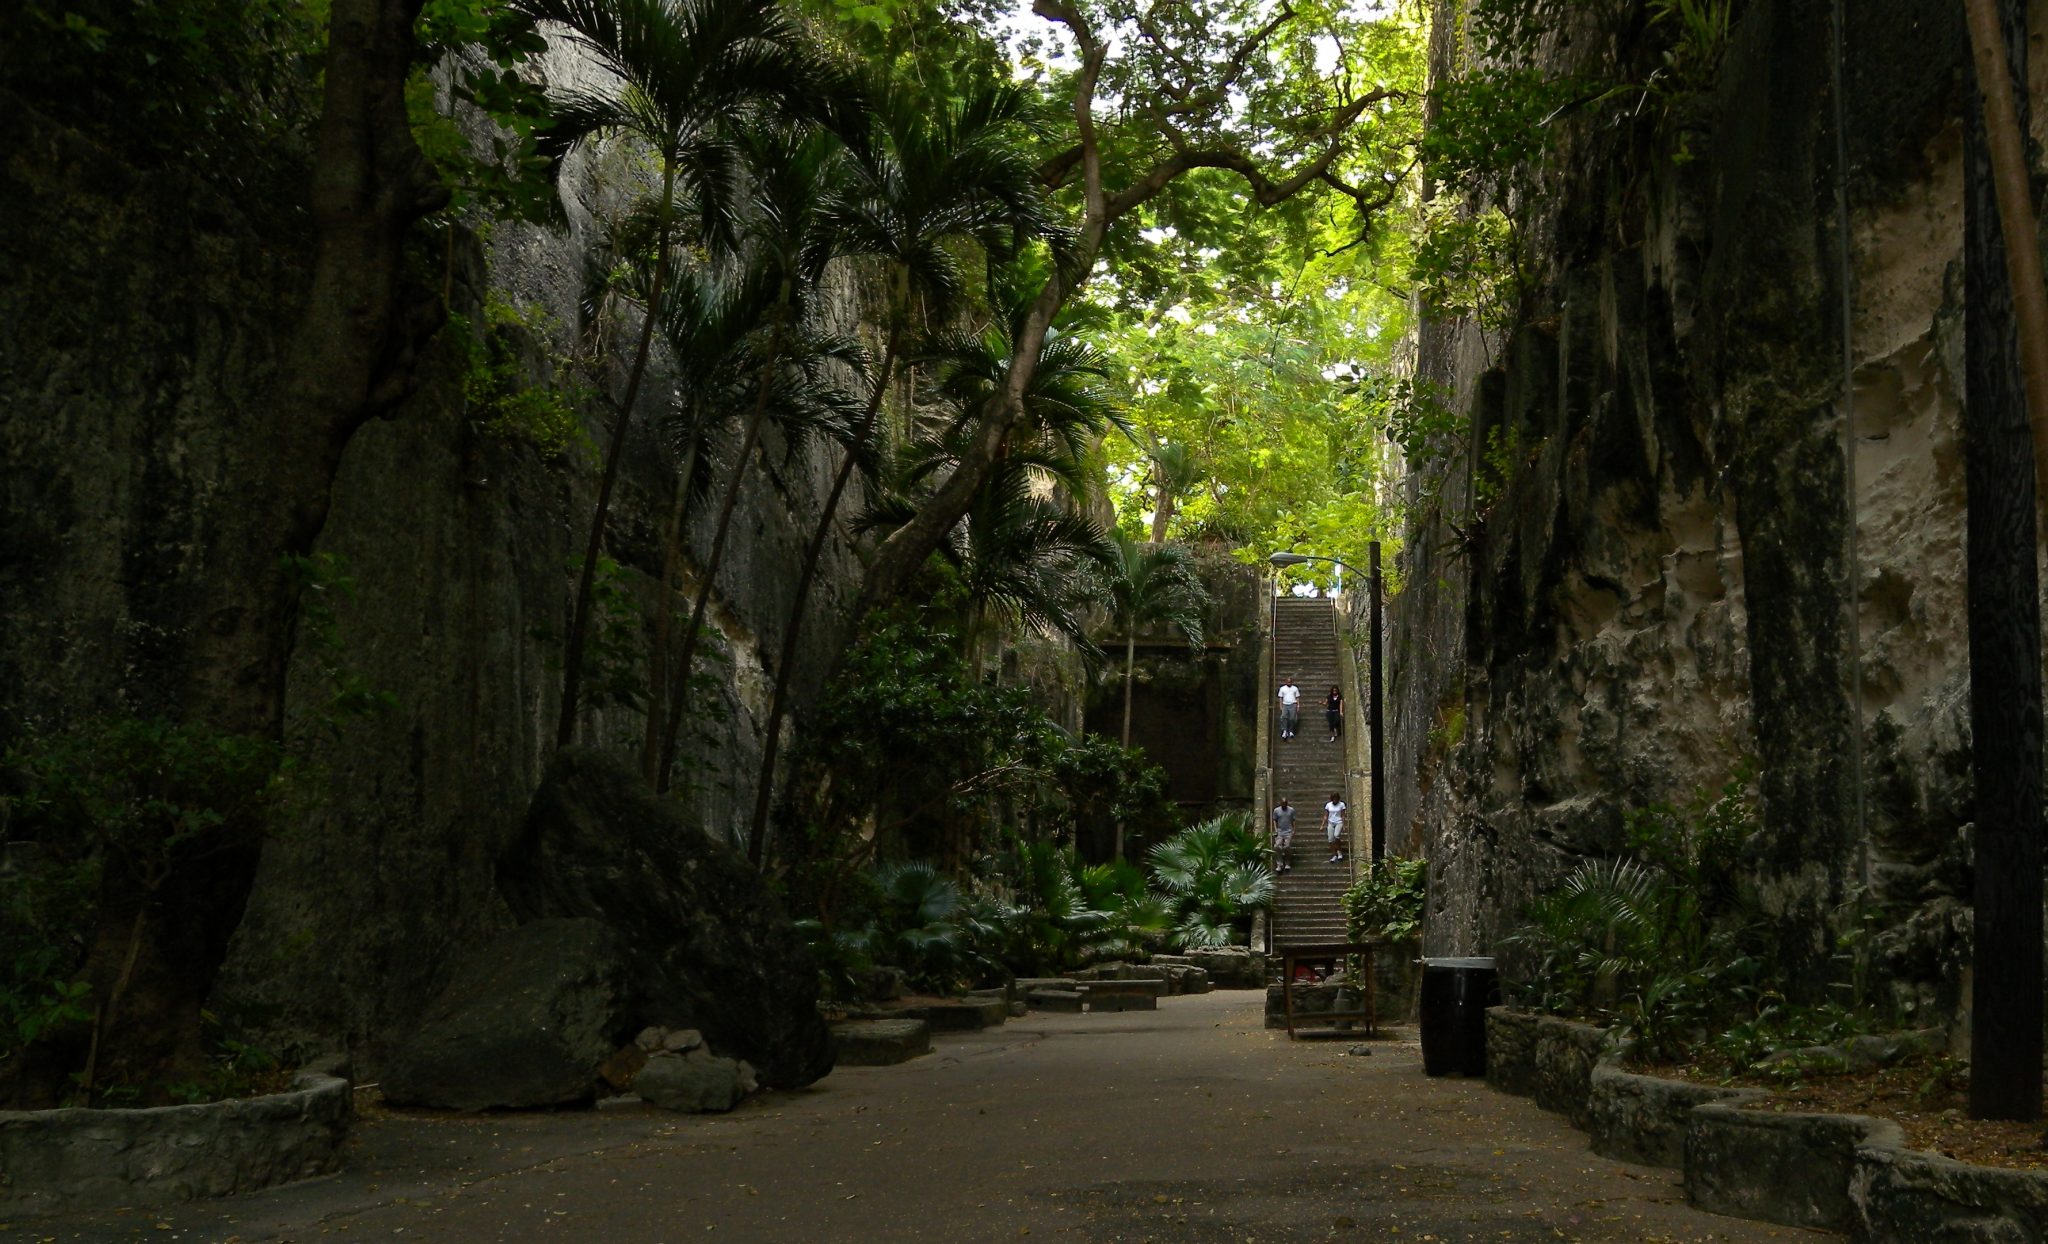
<point x="1333" y="712"/>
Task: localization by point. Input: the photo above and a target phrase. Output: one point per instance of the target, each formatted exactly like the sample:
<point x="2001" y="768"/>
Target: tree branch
<point x="1265" y="189"/>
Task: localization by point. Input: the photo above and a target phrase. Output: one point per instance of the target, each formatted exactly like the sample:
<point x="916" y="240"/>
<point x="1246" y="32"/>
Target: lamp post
<point x="1375" y="753"/>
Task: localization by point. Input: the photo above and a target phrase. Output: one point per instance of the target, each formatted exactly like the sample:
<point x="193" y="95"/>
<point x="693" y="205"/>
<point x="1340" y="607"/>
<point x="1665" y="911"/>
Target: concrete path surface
<point x="1191" y="1123"/>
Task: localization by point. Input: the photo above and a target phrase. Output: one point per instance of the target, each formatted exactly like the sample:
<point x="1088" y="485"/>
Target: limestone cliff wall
<point x="141" y="317"/>
<point x="1662" y="587"/>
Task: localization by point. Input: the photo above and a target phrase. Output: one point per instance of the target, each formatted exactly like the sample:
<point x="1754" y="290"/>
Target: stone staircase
<point x="1309" y="904"/>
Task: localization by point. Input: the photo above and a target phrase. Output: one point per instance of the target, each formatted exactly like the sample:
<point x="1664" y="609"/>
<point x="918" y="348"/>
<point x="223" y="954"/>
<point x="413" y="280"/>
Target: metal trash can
<point x="1455" y="995"/>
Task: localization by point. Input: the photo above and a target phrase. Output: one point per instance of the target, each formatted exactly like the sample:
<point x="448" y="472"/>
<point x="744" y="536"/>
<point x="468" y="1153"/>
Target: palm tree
<point x="1174" y="469"/>
<point x="1023" y="549"/>
<point x="677" y="72"/>
<point x="926" y="177"/>
<point x="709" y="320"/>
<point x="796" y="174"/>
<point x="1152" y="585"/>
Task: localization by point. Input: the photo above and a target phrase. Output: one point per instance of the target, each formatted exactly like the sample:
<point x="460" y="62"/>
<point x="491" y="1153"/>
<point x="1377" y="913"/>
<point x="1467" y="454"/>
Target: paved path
<point x="1192" y="1123"/>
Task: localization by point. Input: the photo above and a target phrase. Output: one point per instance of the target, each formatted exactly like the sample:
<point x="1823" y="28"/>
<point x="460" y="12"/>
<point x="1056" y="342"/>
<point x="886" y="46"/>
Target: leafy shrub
<point x="1664" y="944"/>
<point x="1215" y="876"/>
<point x="1387" y="901"/>
<point x="114" y="807"/>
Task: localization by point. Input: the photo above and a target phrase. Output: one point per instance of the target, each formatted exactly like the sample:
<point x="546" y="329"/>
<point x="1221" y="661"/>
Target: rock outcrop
<point x="528" y="1020"/>
<point x="708" y="945"/>
<point x="1637" y="574"/>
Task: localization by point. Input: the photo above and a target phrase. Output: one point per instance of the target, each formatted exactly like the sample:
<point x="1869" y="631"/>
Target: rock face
<point x="709" y="946"/>
<point x="141" y="327"/>
<point x="527" y="1021"/>
<point x="1649" y="580"/>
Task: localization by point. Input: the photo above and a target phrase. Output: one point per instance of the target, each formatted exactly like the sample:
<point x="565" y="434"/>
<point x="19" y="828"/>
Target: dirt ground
<point x="1192" y="1123"/>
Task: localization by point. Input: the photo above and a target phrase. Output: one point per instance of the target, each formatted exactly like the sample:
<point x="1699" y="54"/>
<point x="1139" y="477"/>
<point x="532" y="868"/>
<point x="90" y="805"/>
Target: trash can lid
<point x="1486" y="962"/>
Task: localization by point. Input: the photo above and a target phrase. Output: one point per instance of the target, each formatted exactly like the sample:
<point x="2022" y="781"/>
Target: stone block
<point x="1119" y="1000"/>
<point x="1637" y="1118"/>
<point x="61" y="1161"/>
<point x="1511" y="1050"/>
<point x="1149" y="988"/>
<point x="1904" y="1197"/>
<point x="1054" y="1000"/>
<point x="1791" y="1169"/>
<point x="696" y="1084"/>
<point x="881" y="1042"/>
<point x="962" y="1015"/>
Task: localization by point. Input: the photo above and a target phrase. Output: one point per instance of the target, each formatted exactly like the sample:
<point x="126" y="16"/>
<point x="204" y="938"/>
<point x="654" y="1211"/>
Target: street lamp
<point x="1372" y="716"/>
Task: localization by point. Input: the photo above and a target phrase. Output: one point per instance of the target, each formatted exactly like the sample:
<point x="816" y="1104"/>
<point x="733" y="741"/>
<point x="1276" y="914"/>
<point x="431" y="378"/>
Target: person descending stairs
<point x="1308" y="901"/>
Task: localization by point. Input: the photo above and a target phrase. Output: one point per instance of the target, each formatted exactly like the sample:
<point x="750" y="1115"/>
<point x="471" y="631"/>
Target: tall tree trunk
<point x="665" y="614"/>
<point x="778" y="700"/>
<point x="1130" y="672"/>
<point x="1162" y="514"/>
<point x="350" y="360"/>
<point x="2005" y="650"/>
<point x="679" y="691"/>
<point x="586" y="579"/>
<point x="1130" y="675"/>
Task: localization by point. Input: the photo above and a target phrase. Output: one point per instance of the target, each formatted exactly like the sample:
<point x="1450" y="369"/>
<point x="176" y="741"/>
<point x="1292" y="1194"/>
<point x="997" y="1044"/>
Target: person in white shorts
<point x="1333" y="825"/>
<point x="1283" y="836"/>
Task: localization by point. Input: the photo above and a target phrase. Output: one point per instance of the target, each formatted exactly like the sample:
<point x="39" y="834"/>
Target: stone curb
<point x="1841" y="1172"/>
<point x="54" y="1161"/>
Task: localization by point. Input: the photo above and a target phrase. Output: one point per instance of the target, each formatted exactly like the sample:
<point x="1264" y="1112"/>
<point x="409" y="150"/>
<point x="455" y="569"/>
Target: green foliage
<point x="234" y="1068"/>
<point x="612" y="658"/>
<point x="224" y="88"/>
<point x="504" y="395"/>
<point x="322" y="584"/>
<point x="1780" y="1028"/>
<point x="1102" y="783"/>
<point x="986" y="756"/>
<point x="1215" y="875"/>
<point x="1467" y="264"/>
<point x="113" y="805"/>
<point x="483" y="44"/>
<point x="1664" y="943"/>
<point x="1387" y="901"/>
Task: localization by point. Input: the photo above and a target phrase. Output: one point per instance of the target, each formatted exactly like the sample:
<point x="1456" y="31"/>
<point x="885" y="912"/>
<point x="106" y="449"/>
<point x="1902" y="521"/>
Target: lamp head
<point x="1285" y="559"/>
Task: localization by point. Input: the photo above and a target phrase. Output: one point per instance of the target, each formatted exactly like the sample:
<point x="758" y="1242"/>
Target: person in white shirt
<point x="1290" y="708"/>
<point x="1333" y="825"/>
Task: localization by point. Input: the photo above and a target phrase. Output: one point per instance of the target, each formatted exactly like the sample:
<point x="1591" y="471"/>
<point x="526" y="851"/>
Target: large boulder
<point x="526" y="1021"/>
<point x="709" y="945"/>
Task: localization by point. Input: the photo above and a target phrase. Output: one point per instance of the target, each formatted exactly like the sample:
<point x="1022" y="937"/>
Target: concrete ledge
<point x="53" y="1161"/>
<point x="1636" y="1118"/>
<point x="1068" y="1000"/>
<point x="1835" y="1171"/>
<point x="964" y="1015"/>
<point x="1791" y="1169"/>
<point x="1121" y="1000"/>
<point x="881" y="1042"/>
<point x="1136" y="987"/>
<point x="1544" y="1057"/>
<point x="1904" y="1197"/>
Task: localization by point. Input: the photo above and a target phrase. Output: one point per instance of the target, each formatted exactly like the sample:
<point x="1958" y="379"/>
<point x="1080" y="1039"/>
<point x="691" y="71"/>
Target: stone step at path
<point x="1308" y="903"/>
<point x="881" y="1042"/>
